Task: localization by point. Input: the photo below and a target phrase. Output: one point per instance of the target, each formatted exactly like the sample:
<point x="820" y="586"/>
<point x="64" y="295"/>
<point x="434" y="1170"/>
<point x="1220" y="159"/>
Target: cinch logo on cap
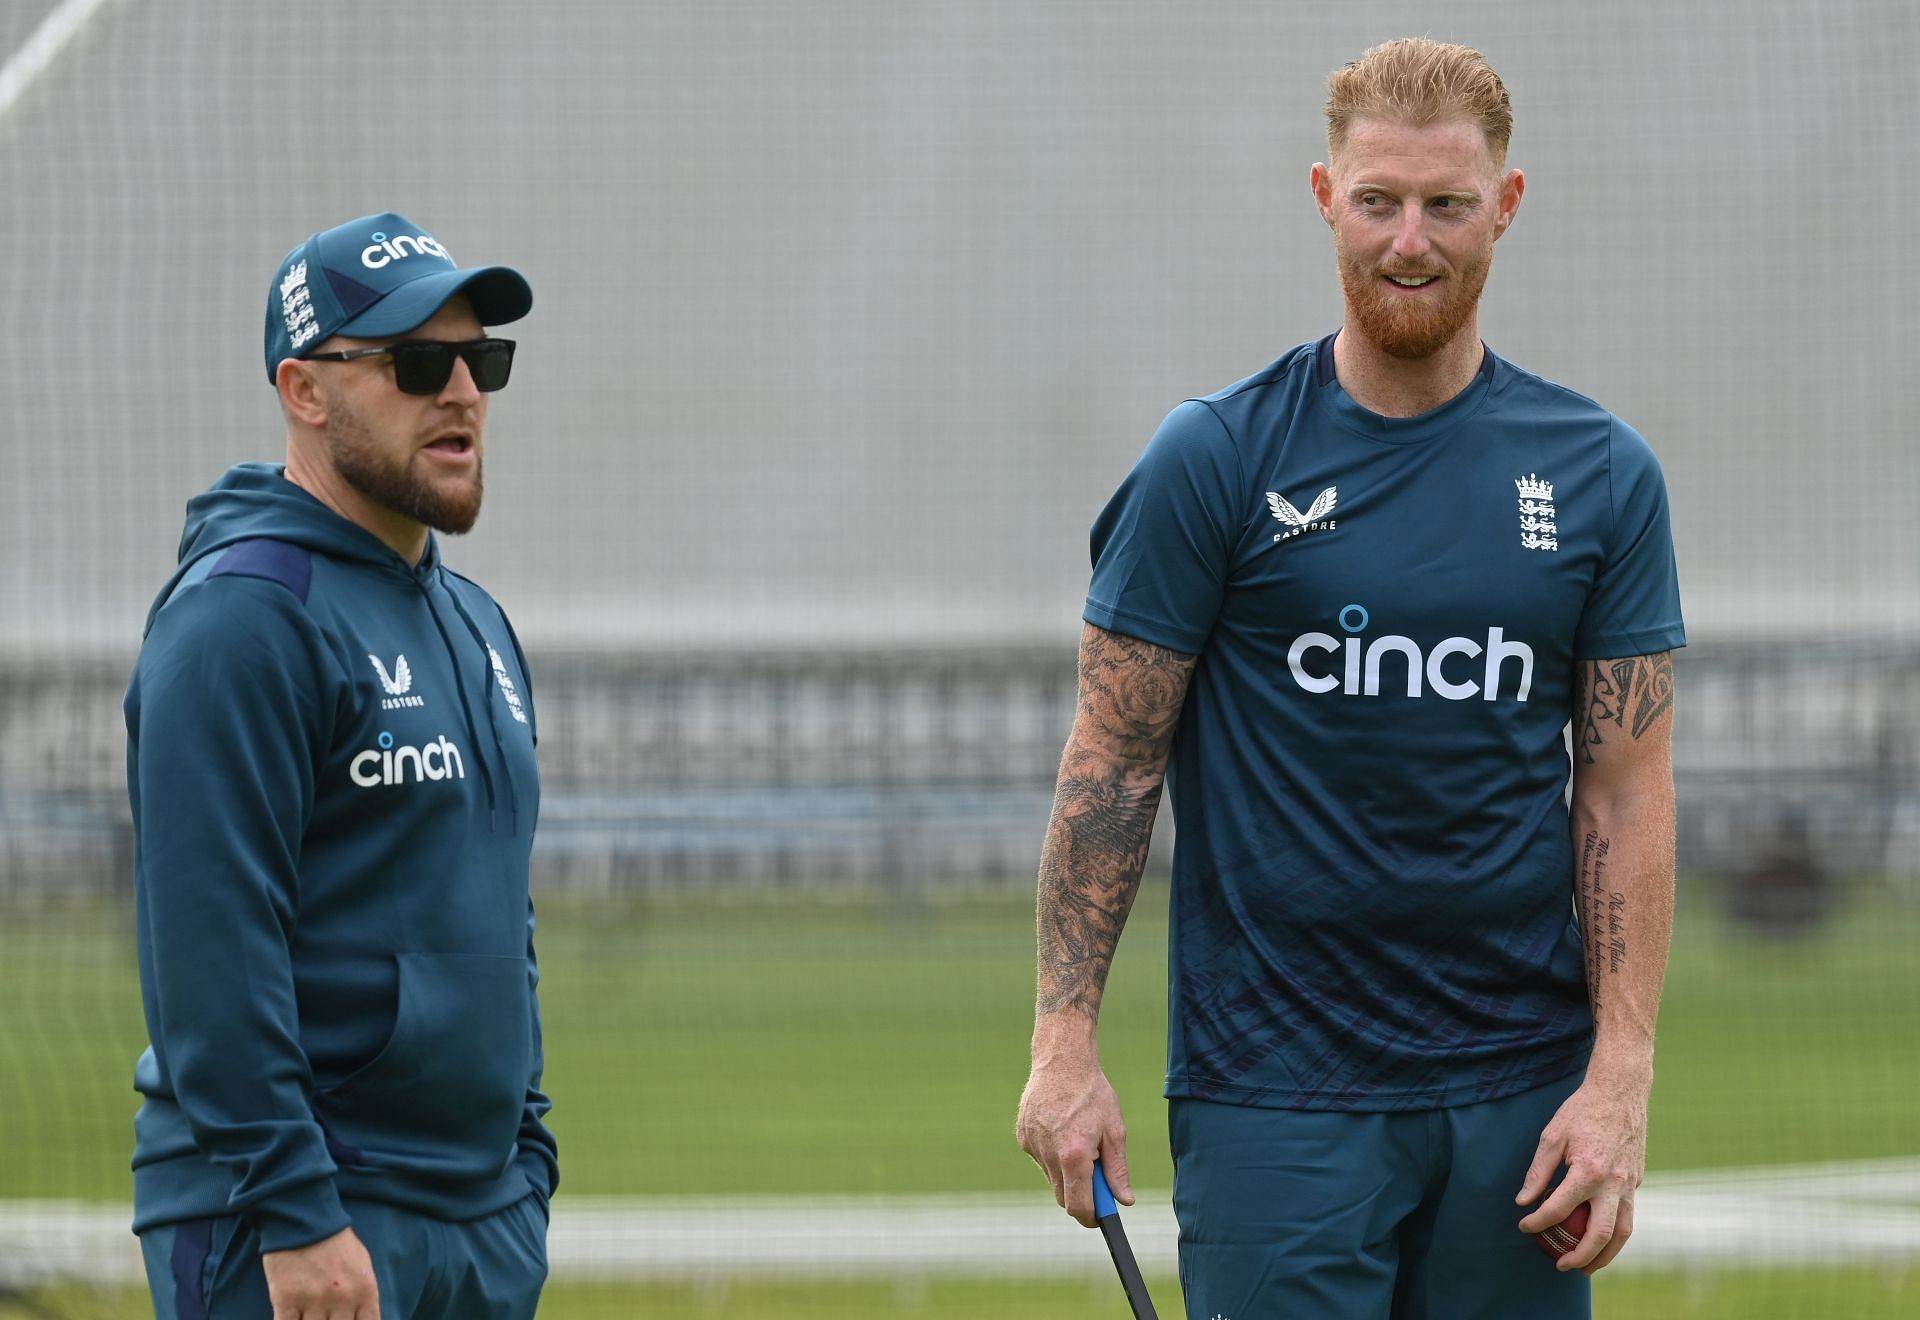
<point x="384" y="250"/>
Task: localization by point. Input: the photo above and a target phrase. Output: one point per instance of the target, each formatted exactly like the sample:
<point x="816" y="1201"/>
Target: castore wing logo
<point x="396" y="684"/>
<point x="1314" y="519"/>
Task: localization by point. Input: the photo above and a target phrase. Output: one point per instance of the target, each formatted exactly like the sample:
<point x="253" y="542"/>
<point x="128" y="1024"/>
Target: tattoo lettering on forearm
<point x="1616" y="931"/>
<point x="1131" y="693"/>
<point x="1603" y="916"/>
<point x="1606" y="690"/>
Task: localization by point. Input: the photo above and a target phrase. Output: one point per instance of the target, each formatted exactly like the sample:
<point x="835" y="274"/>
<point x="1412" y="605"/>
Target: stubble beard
<point x="1405" y="330"/>
<point x="451" y="506"/>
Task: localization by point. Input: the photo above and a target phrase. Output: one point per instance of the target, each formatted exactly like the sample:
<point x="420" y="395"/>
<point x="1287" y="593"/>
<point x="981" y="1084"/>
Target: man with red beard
<point x="330" y="759"/>
<point x="1345" y="607"/>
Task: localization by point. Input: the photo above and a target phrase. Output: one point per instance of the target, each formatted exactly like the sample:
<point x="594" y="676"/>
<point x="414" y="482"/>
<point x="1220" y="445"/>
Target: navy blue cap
<point x="373" y="277"/>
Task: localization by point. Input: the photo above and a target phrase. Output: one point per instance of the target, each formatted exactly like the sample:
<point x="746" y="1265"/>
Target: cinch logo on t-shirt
<point x="1449" y="668"/>
<point x="439" y="759"/>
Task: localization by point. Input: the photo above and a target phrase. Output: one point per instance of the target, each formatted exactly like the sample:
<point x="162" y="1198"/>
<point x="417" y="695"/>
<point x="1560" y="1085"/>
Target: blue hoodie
<point x="330" y="756"/>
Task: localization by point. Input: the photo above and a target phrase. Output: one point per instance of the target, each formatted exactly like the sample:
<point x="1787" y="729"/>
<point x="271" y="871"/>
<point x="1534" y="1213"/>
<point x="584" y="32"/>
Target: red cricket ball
<point x="1564" y="1236"/>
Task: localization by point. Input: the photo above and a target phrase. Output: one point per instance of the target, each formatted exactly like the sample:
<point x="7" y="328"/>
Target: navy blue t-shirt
<point x="1372" y="898"/>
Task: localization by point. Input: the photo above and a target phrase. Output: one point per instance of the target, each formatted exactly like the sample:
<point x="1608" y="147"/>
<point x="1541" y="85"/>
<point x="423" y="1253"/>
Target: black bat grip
<point x="1119" y="1248"/>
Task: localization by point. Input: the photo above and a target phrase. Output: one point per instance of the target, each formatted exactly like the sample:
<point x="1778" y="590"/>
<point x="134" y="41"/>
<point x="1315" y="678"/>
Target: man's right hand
<point x="1070" y="1116"/>
<point x="330" y="1280"/>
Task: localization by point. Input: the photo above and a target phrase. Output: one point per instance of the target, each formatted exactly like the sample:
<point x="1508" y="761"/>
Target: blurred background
<point x="849" y="316"/>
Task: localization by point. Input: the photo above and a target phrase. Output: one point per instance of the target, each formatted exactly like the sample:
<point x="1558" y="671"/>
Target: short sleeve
<point x="1162" y="545"/>
<point x="1633" y="607"/>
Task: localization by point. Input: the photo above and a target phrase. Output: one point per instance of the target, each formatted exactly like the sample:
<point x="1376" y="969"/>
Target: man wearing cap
<point x="330" y="759"/>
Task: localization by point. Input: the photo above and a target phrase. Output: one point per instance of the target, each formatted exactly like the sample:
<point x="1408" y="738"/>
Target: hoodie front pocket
<point x="445" y="1096"/>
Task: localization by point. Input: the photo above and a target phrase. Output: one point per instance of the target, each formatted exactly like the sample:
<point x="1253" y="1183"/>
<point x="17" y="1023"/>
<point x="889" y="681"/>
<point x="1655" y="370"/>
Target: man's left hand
<point x="1600" y="1136"/>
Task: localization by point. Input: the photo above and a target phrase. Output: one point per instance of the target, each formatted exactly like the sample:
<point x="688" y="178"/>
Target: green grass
<point x="793" y="1048"/>
<point x="1773" y="1055"/>
<point x="780" y="1045"/>
<point x="1809" y="1295"/>
<point x="835" y="1048"/>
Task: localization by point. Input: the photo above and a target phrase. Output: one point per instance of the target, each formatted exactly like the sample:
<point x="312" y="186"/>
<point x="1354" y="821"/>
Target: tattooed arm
<point x="1131" y="693"/>
<point x="1623" y="823"/>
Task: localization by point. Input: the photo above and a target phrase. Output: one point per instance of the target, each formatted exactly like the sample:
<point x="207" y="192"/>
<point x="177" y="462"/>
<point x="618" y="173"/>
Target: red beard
<point x="1411" y="328"/>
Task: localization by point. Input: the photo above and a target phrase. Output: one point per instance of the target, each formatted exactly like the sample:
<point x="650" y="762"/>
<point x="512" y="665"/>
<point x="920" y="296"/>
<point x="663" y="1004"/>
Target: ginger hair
<point x="1417" y="81"/>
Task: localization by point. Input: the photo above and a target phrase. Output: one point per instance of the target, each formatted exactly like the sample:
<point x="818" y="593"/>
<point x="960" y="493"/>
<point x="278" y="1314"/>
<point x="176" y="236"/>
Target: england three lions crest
<point x="1539" y="529"/>
<point x="507" y="690"/>
<point x="1315" y="519"/>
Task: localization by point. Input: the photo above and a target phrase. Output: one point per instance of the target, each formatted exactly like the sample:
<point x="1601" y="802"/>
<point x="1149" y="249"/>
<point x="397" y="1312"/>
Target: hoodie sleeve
<point x="231" y="715"/>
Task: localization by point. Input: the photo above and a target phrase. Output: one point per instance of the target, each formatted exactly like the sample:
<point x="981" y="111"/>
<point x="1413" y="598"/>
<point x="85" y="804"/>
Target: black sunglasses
<point x="424" y="366"/>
